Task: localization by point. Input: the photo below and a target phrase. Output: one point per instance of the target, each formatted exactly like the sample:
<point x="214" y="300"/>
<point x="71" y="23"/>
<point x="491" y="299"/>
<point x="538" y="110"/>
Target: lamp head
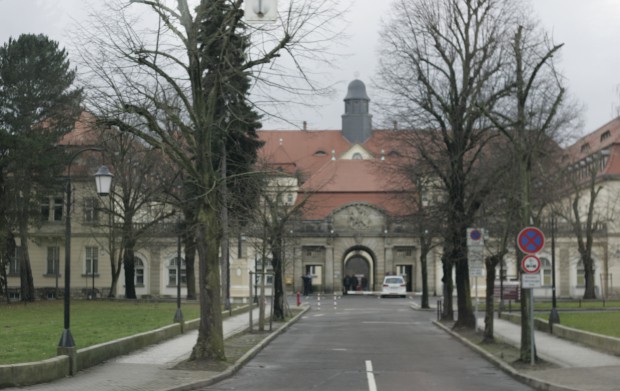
<point x="103" y="180"/>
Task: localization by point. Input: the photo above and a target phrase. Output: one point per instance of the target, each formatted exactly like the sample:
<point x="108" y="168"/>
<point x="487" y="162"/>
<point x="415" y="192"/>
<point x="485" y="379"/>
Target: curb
<point x="529" y="380"/>
<point x="243" y="360"/>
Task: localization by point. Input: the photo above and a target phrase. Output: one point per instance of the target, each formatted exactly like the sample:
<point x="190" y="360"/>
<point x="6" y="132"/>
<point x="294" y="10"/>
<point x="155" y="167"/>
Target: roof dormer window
<point x="320" y="153"/>
<point x="585" y="148"/>
<point x="605" y="135"/>
<point x="357" y="156"/>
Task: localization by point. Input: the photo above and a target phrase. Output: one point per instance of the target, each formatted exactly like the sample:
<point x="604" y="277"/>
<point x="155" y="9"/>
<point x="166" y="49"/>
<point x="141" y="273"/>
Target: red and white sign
<point x="530" y="240"/>
<point x="530" y="264"/>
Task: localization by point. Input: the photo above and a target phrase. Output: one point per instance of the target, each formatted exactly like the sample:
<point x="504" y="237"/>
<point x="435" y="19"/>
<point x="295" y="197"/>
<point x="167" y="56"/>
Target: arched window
<point x="172" y="272"/>
<point x="357" y="156"/>
<point x="139" y="272"/>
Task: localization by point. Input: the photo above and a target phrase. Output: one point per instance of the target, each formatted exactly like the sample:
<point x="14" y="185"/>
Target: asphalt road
<point x="366" y="343"/>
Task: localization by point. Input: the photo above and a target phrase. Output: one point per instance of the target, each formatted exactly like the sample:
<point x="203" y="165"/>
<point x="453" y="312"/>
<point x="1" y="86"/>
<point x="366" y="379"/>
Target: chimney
<point x="305" y="125"/>
<point x="395" y="124"/>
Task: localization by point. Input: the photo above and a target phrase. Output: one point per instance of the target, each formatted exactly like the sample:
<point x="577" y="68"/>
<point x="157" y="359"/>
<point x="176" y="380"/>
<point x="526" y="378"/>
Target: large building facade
<point x="352" y="224"/>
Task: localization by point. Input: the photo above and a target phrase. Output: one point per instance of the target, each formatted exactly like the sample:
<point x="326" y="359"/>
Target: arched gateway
<point x="359" y="265"/>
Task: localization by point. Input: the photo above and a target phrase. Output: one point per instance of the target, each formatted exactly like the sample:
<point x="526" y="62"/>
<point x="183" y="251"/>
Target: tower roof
<point x="357" y="90"/>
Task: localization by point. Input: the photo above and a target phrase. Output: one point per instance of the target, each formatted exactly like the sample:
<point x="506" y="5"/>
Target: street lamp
<point x="554" y="316"/>
<point x="178" y="315"/>
<point x="103" y="180"/>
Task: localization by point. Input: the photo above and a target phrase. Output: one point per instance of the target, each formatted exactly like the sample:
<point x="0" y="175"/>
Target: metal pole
<point x="501" y="285"/>
<point x="554" y="316"/>
<point x="92" y="267"/>
<point x="66" y="343"/>
<point x="178" y="315"/>
<point x="251" y="307"/>
<point x="66" y="340"/>
<point x="532" y="343"/>
<point x="255" y="285"/>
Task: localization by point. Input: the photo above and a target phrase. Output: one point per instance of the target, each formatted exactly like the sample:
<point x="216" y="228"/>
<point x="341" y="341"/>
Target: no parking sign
<point x="530" y="240"/>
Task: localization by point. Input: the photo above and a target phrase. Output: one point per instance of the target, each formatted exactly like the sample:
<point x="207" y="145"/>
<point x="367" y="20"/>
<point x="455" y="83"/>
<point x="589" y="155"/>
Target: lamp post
<point x="554" y="316"/>
<point x="103" y="181"/>
<point x="178" y="315"/>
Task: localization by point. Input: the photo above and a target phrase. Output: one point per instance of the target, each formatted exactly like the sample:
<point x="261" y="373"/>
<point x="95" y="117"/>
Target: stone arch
<point x="360" y="261"/>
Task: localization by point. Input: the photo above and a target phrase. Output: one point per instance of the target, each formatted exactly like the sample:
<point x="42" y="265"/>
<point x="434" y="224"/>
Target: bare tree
<point x="191" y="57"/>
<point x="586" y="204"/>
<point x="530" y="117"/>
<point x="138" y="203"/>
<point x="440" y="61"/>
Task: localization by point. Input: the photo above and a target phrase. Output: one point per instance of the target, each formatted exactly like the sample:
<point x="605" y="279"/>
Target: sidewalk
<point x="147" y="369"/>
<point x="580" y="368"/>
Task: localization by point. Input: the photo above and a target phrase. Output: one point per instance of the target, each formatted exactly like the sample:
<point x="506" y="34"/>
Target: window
<point x="241" y="247"/>
<point x="139" y="272"/>
<point x="546" y="272"/>
<point x="585" y="148"/>
<point x="92" y="260"/>
<point x="45" y="209"/>
<point x="91" y="210"/>
<point x="581" y="274"/>
<point x="14" y="263"/>
<point x="172" y="272"/>
<point x="53" y="261"/>
<point x="51" y="209"/>
<point x="605" y="135"/>
<point x="357" y="156"/>
<point x="320" y="153"/>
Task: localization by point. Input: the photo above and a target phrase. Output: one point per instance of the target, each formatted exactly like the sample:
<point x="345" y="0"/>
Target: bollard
<point x="298" y="298"/>
<point x="318" y="298"/>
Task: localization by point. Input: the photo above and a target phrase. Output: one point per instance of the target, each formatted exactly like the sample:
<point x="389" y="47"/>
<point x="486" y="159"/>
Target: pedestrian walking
<point x="346" y="282"/>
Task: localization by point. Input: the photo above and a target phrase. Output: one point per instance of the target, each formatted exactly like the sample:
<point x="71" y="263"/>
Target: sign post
<point x="530" y="241"/>
<point x="475" y="257"/>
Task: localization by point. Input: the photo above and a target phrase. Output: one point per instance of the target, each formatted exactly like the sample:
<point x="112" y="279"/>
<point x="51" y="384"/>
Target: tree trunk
<point x="448" y="287"/>
<point x="25" y="269"/>
<point x="276" y="263"/>
<point x="526" y="332"/>
<point x="210" y="342"/>
<point x="588" y="267"/>
<point x="424" y="266"/>
<point x="491" y="264"/>
<point x="466" y="317"/>
<point x="189" y="239"/>
<point x="129" y="263"/>
<point x="189" y="244"/>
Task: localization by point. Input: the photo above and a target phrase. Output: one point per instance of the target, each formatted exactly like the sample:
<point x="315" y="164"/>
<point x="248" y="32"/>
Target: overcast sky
<point x="590" y="59"/>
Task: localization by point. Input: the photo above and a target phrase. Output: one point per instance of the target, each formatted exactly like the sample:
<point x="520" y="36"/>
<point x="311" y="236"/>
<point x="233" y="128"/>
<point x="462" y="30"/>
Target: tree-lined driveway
<point x="366" y="343"/>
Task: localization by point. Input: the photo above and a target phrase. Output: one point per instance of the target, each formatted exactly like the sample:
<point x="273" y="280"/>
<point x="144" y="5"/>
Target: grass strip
<point x="30" y="332"/>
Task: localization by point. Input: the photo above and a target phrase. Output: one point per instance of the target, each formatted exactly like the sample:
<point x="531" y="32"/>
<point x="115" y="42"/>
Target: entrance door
<point x="317" y="276"/>
<point x="359" y="268"/>
<point x="407" y="272"/>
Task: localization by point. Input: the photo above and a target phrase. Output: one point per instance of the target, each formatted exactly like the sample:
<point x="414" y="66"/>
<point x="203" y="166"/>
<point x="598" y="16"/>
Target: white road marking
<point x="372" y="386"/>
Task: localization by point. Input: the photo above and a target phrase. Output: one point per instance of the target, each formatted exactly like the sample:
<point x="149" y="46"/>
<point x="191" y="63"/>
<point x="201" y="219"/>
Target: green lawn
<point x="605" y="323"/>
<point x="30" y="332"/>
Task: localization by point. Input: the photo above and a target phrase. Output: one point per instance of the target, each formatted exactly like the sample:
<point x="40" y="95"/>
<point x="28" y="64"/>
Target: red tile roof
<point x="84" y="133"/>
<point x="334" y="183"/>
<point x="605" y="138"/>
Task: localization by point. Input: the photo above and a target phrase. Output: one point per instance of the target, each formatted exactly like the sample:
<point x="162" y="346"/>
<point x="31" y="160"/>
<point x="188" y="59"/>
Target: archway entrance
<point x="358" y="265"/>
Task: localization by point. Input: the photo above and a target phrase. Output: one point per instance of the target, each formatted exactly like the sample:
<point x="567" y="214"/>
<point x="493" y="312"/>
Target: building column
<point x="155" y="273"/>
<point x="330" y="270"/>
<point x="563" y="271"/>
